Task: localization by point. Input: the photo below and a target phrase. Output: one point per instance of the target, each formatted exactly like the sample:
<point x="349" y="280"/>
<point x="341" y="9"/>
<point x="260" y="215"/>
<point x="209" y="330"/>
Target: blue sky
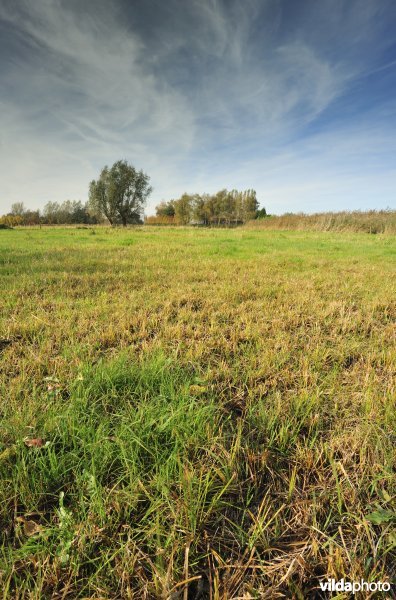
<point x="294" y="98"/>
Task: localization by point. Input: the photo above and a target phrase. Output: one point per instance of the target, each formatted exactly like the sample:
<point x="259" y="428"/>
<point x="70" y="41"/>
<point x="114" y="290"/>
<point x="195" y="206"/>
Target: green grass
<point x="215" y="406"/>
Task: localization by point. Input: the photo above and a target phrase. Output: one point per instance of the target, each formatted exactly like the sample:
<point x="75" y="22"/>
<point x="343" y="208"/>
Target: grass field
<point x="195" y="413"/>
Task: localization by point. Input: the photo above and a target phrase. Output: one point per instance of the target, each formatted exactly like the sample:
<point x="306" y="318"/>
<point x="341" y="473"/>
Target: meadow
<point x="194" y="414"/>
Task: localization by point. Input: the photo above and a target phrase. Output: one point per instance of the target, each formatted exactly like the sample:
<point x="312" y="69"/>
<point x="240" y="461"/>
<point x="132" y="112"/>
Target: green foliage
<point x="183" y="209"/>
<point x="19" y="215"/>
<point x="165" y="209"/>
<point x="120" y="193"/>
<point x="223" y="208"/>
<point x="261" y="213"/>
<point x="67" y="213"/>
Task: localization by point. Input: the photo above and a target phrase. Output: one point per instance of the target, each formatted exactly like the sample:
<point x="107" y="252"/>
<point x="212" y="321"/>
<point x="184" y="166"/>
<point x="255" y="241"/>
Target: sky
<point x="293" y="98"/>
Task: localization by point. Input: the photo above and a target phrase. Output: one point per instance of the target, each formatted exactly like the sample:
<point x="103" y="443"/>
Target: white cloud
<point x="88" y="103"/>
<point x="208" y="100"/>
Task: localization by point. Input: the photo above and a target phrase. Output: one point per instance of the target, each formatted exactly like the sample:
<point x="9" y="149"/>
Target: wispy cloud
<point x="201" y="94"/>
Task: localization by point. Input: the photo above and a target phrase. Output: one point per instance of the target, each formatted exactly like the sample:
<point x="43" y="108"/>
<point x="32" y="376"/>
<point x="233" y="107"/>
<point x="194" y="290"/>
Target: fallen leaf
<point x="34" y="442"/>
<point x="31" y="528"/>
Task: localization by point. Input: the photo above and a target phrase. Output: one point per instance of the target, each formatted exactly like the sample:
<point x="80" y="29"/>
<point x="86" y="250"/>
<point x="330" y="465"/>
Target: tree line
<point x="222" y="208"/>
<point x="69" y="212"/>
<point x="119" y="196"/>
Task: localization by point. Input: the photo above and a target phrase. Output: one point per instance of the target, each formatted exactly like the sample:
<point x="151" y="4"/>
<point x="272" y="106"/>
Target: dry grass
<point x="372" y="221"/>
<point x="216" y="410"/>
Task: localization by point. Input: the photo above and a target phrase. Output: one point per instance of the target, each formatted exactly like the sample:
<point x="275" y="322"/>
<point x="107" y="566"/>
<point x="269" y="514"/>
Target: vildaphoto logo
<point x="331" y="585"/>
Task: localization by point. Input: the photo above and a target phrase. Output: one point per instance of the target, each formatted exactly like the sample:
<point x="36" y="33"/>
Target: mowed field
<point x="194" y="414"/>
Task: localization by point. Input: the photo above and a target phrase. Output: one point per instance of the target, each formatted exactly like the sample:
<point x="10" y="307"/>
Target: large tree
<point x="120" y="193"/>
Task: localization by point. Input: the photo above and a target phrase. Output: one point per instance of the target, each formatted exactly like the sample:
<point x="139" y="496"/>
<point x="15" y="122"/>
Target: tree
<point x="200" y="212"/>
<point x="183" y="209"/>
<point x="222" y="208"/>
<point x="120" y="193"/>
<point x="11" y="220"/>
<point x="79" y="213"/>
<point x="51" y="210"/>
<point x="31" y="217"/>
<point x="18" y="209"/>
<point x="165" y="209"/>
<point x="226" y="205"/>
<point x="261" y="213"/>
<point x="249" y="205"/>
<point x="66" y="213"/>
